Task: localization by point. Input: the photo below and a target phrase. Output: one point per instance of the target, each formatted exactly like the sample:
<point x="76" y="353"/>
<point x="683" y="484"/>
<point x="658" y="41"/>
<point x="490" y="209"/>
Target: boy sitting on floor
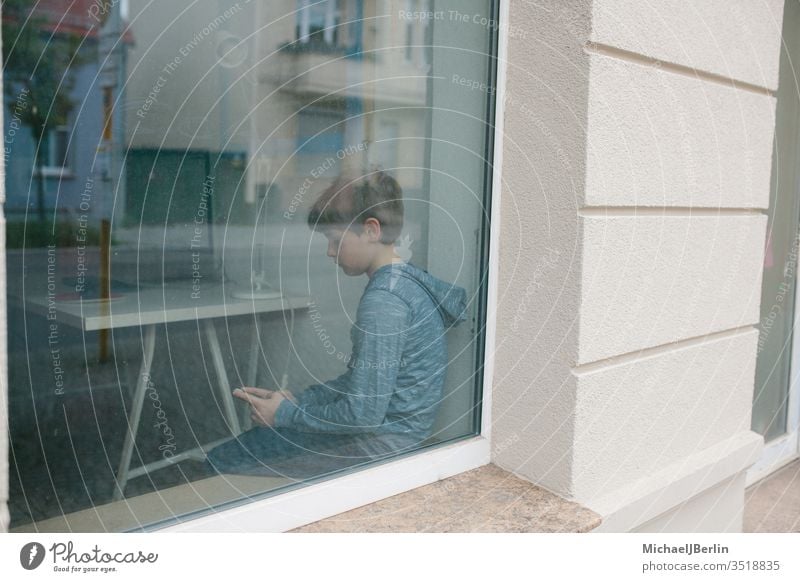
<point x="387" y="400"/>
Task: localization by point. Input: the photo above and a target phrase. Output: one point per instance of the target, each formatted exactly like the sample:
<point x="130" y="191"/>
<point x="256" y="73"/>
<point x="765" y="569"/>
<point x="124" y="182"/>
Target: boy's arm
<point x="325" y="392"/>
<point x="378" y="342"/>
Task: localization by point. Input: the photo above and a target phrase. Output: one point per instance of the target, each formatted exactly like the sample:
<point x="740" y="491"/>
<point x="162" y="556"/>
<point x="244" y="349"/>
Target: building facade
<point x="628" y="270"/>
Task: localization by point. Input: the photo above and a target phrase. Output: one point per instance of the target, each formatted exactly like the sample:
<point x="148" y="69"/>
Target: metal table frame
<point x="149" y="308"/>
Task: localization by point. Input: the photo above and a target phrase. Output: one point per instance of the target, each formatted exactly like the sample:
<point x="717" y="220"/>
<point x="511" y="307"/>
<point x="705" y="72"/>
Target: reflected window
<point x="57" y="148"/>
<point x="318" y="22"/>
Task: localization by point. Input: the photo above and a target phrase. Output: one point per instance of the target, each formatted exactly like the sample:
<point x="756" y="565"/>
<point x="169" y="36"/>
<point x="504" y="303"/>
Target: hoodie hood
<point x="450" y="300"/>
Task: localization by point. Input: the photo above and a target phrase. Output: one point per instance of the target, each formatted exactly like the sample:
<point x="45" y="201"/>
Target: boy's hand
<point x="263" y="403"/>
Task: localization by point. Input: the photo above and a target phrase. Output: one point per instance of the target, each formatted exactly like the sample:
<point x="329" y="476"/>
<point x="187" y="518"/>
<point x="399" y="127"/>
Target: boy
<point x="387" y="400"/>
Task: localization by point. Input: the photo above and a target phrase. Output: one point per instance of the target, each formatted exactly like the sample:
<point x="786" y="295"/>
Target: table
<point x="170" y="303"/>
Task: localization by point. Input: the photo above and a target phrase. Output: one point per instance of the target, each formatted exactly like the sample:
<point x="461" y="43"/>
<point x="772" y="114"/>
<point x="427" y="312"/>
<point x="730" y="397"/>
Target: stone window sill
<point x="486" y="499"/>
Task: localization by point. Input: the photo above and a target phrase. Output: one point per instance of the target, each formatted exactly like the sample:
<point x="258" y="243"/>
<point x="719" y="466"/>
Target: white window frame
<point x="305" y="22"/>
<point x="49" y="170"/>
<point x="408" y="50"/>
<point x="332" y="12"/>
<point x="424" y="55"/>
<point x="786" y="448"/>
<point x="311" y="503"/>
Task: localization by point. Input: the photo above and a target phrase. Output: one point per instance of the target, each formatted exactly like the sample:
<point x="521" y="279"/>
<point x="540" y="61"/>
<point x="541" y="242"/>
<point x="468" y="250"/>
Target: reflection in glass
<point x="162" y="164"/>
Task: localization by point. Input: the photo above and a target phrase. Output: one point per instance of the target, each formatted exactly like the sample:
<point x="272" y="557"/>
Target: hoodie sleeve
<point x="322" y="393"/>
<point x="368" y="385"/>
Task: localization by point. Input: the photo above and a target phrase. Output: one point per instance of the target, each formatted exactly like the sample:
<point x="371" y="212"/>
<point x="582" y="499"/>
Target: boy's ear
<point x="372" y="227"/>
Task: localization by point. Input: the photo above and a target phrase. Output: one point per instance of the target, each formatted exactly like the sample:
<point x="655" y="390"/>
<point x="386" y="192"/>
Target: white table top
<point x="163" y="304"/>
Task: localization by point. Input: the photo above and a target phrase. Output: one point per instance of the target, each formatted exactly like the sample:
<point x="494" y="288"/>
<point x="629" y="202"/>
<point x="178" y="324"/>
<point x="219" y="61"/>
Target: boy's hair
<point x="350" y="201"/>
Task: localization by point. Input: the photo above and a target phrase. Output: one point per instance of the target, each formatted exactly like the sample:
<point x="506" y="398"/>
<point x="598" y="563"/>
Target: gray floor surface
<point x="773" y="504"/>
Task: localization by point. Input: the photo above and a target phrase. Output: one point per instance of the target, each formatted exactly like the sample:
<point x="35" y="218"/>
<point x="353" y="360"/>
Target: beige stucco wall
<point x="642" y="156"/>
<point x="543" y="185"/>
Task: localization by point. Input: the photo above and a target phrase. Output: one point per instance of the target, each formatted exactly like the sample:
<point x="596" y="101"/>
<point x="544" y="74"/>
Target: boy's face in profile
<point x="350" y="250"/>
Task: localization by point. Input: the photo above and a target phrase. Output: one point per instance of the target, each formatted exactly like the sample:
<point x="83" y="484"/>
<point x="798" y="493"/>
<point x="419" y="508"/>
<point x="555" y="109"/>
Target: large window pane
<point x="172" y="261"/>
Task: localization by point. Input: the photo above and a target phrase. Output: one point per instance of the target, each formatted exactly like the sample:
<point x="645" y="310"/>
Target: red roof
<point x="81" y="17"/>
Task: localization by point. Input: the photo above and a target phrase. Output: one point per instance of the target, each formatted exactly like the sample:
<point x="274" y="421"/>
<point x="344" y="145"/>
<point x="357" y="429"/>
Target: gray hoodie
<point x="393" y="385"/>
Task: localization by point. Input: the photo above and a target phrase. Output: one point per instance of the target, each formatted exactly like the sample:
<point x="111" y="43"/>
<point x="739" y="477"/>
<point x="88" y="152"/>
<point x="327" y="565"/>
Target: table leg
<point x="222" y="376"/>
<point x="252" y="364"/>
<point x="131" y="375"/>
<point x="136" y="411"/>
<point x="252" y="370"/>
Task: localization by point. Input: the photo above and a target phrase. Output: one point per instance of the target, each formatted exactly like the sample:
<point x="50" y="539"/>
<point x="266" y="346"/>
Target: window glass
<point x="275" y="196"/>
<point x="773" y="386"/>
<point x="58" y="148"/>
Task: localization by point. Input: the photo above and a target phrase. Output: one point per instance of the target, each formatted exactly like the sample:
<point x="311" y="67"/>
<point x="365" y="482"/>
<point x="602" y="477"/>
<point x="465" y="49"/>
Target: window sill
<point x="486" y="499"/>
